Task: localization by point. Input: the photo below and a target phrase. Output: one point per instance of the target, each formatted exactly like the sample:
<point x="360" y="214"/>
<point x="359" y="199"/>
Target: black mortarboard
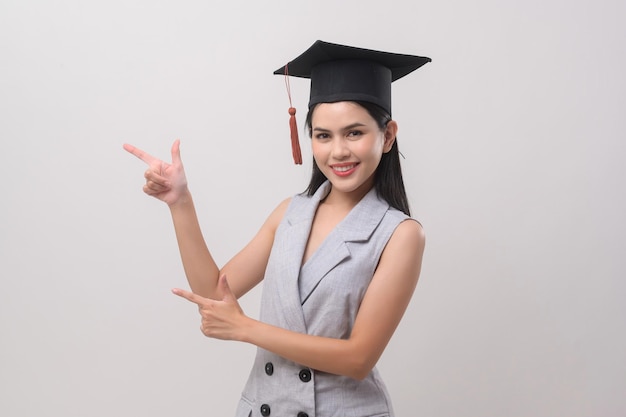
<point x="346" y="73"/>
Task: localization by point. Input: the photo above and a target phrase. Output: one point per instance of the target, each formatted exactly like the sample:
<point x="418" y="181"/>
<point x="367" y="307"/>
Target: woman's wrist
<point x="247" y="330"/>
<point x="182" y="200"/>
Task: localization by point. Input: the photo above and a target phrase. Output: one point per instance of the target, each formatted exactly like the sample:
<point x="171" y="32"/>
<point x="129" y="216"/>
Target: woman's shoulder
<point x="409" y="234"/>
<point x="295" y="203"/>
<point x="279" y="212"/>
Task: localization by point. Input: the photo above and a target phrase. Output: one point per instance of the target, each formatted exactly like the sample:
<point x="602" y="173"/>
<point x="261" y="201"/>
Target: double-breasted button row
<point x="265" y="411"/>
<point x="304" y="374"/>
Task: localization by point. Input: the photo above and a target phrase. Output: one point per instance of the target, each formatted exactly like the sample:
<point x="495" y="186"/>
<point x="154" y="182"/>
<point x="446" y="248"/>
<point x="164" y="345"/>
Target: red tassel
<point x="293" y="126"/>
<point x="295" y="141"/>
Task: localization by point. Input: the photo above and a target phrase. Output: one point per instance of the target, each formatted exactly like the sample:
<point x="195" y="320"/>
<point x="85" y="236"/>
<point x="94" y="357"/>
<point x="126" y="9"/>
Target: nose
<point x="340" y="149"/>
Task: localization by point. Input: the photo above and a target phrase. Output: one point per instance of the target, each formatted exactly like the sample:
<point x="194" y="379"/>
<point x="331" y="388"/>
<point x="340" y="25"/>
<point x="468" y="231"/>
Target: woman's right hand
<point x="164" y="181"/>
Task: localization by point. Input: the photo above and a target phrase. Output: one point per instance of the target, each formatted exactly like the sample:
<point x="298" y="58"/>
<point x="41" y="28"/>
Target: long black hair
<point x="388" y="176"/>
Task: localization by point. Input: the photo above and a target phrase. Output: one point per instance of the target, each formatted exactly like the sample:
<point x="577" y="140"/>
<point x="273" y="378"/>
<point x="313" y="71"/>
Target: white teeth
<point x="343" y="169"/>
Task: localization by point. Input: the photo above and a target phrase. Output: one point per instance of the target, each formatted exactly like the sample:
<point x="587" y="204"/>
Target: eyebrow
<point x="352" y="126"/>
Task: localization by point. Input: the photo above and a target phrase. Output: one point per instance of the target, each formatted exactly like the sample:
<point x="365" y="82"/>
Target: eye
<point x="354" y="133"/>
<point x="322" y="136"/>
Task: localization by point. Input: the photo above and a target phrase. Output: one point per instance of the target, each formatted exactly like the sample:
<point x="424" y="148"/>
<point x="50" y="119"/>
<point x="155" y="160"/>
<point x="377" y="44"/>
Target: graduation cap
<point x="346" y="73"/>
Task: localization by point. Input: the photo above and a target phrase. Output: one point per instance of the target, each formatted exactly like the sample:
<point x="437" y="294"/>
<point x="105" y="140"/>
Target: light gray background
<point x="514" y="146"/>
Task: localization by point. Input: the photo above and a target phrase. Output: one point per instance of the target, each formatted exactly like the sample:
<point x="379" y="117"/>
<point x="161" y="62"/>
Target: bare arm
<point x="167" y="182"/>
<point x="382" y="308"/>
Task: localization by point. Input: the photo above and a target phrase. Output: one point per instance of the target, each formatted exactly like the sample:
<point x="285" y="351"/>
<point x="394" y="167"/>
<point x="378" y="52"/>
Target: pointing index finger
<point x="194" y="298"/>
<point x="144" y="156"/>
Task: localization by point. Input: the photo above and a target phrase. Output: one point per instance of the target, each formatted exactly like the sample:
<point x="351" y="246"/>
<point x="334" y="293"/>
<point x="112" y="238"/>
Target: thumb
<point x="227" y="293"/>
<point x="176" y="152"/>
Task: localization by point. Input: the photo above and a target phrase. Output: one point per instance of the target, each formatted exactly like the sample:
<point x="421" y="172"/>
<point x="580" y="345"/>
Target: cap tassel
<point x="293" y="126"/>
<point x="295" y="141"/>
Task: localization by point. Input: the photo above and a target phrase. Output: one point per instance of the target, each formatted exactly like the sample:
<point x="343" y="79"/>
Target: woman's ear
<point x="391" y="131"/>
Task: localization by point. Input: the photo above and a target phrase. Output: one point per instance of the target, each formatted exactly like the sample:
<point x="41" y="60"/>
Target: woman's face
<point x="348" y="145"/>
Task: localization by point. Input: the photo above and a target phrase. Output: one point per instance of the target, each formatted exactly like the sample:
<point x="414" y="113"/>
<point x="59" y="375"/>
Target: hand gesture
<point x="164" y="181"/>
<point x="221" y="319"/>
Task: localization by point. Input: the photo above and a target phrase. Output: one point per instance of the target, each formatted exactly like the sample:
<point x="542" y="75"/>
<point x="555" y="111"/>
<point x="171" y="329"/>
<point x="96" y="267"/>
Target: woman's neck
<point x="346" y="200"/>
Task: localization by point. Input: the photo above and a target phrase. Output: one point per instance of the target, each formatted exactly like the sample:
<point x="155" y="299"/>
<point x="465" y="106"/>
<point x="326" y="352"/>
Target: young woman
<point x="339" y="263"/>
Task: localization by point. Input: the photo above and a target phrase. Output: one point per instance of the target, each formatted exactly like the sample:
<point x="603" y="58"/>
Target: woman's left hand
<point x="221" y="319"/>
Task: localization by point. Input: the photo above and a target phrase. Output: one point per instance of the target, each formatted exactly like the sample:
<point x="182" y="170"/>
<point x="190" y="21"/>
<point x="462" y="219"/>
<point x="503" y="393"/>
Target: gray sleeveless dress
<point x="321" y="297"/>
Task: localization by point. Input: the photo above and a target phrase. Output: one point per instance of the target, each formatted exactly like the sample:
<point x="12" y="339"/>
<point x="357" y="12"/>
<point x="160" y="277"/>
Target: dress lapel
<point x="298" y="223"/>
<point x="357" y="226"/>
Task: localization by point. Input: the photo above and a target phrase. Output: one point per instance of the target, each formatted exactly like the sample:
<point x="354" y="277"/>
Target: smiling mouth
<point x="343" y="168"/>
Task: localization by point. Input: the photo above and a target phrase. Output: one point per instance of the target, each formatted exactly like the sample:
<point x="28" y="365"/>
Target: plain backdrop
<point x="514" y="148"/>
